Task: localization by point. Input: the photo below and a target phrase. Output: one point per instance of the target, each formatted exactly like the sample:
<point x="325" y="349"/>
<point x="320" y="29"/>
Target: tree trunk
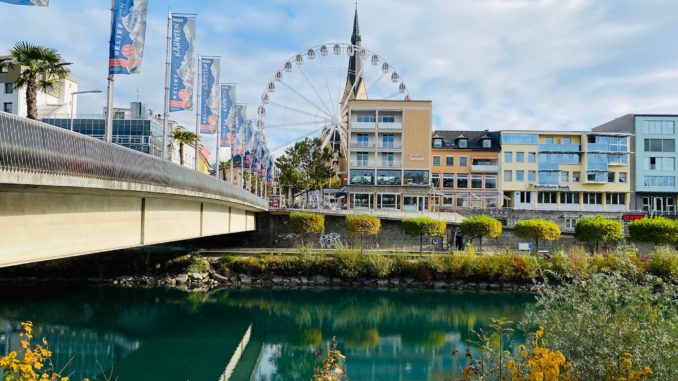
<point x="596" y="247"/>
<point x="32" y="99"/>
<point x="536" y="246"/>
<point x="361" y="243"/>
<point x="181" y="153"/>
<point x="421" y="243"/>
<point x="480" y="245"/>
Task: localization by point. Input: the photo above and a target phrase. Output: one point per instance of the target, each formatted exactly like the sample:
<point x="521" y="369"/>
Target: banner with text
<point x="182" y="62"/>
<point x="240" y="115"/>
<point x="209" y="94"/>
<point x="127" y="36"/>
<point x="40" y="3"/>
<point x="227" y="102"/>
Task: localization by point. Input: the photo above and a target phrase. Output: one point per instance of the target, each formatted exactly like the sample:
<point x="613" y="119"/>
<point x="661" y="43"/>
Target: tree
<point x="423" y="226"/>
<point x="537" y="229"/>
<point x="598" y="229"/>
<point x="307" y="223"/>
<point x="479" y="227"/>
<point x="224" y="166"/>
<point x="659" y="230"/>
<point x="40" y="68"/>
<point x="362" y="224"/>
<point x="305" y="166"/>
<point x="184" y="137"/>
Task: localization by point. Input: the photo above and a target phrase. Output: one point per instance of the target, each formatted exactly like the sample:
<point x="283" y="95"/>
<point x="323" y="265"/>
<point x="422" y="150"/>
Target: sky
<point x="485" y="64"/>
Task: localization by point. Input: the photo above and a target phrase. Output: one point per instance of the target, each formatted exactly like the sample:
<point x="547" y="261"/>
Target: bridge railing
<point x="35" y="147"/>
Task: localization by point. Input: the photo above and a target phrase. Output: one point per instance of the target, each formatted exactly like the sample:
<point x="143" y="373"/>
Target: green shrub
<point x="197" y="264"/>
<point x="423" y="226"/>
<point x="347" y="262"/>
<point x="664" y="262"/>
<point x="537" y="229"/>
<point x="480" y="227"/>
<point x="307" y="223"/>
<point x="598" y="229"/>
<point x="659" y="230"/>
<point x="362" y="224"/>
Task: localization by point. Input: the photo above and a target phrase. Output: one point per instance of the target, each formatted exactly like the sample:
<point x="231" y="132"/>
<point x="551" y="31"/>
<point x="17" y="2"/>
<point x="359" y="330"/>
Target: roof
<point x="475" y="139"/>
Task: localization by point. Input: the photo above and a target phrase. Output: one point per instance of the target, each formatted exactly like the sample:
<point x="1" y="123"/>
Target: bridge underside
<point x="40" y="224"/>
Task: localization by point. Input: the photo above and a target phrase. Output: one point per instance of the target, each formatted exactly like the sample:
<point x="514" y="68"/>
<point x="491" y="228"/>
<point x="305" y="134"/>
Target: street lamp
<point x="73" y="94"/>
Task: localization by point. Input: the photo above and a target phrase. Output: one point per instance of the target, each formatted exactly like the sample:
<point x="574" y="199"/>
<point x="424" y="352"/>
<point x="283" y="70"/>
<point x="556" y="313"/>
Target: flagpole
<point x="109" y="92"/>
<point x="197" y="116"/>
<point x="165" y="118"/>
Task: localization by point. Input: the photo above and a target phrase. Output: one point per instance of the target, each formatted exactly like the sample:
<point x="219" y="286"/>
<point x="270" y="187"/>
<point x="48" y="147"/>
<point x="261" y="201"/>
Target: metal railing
<point x="35" y="147"/>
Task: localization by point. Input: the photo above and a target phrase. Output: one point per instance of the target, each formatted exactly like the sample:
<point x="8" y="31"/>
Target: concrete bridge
<point x="65" y="194"/>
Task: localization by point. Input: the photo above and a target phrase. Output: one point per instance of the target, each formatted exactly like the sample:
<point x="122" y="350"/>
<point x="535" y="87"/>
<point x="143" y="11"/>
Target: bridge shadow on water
<point x="250" y="334"/>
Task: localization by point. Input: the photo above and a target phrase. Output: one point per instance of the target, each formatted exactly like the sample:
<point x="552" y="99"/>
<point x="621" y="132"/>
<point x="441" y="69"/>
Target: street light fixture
<point x="73" y="94"/>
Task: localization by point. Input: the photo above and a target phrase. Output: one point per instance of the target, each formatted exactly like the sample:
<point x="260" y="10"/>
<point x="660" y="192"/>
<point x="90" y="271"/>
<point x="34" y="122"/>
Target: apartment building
<point x="389" y="155"/>
<point x="465" y="169"/>
<point x="565" y="171"/>
<point x="653" y="173"/>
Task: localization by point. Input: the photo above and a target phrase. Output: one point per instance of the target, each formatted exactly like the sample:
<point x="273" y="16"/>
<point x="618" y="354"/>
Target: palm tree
<point x="184" y="137"/>
<point x="40" y="68"/>
<point x="225" y="165"/>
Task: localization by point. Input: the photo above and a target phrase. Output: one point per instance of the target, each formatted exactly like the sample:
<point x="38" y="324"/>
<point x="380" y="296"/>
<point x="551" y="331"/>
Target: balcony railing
<point x="362" y="163"/>
<point x="484" y="168"/>
<point x="363" y="125"/>
<point x="390" y="126"/>
<point x="389" y="145"/>
<point x="559" y="148"/>
<point x="362" y="144"/>
<point x="389" y="163"/>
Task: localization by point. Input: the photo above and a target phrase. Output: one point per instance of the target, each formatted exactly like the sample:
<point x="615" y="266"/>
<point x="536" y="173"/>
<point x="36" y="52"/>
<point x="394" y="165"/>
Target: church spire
<point x="355" y="37"/>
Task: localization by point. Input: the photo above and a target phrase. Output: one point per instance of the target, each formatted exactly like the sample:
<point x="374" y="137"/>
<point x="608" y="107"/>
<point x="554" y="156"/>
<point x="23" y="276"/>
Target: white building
<point x="54" y="102"/>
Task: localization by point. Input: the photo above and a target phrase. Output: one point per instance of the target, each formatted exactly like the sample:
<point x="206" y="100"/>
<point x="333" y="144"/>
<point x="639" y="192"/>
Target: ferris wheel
<point x="308" y="95"/>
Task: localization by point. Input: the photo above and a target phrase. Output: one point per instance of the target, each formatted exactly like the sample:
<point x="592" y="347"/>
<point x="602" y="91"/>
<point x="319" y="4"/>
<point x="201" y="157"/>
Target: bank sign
<point x="547" y="186"/>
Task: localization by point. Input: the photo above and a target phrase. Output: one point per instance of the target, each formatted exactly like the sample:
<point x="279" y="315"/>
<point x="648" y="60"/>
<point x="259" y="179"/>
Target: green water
<point x="253" y="334"/>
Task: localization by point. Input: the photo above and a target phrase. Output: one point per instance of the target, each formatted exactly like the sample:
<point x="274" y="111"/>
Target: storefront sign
<point x="547" y="186"/>
<point x="416" y="158"/>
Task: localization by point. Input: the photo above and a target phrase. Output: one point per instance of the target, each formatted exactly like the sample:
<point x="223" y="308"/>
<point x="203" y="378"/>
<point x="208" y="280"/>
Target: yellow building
<point x="389" y="155"/>
<point x="568" y="171"/>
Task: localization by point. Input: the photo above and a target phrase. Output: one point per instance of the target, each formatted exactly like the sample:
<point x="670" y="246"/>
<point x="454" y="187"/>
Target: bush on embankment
<point x="506" y="267"/>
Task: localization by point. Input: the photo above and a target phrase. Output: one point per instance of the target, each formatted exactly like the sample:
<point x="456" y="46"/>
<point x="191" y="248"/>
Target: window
<point x="508" y="157"/>
<point x="435" y="180"/>
<point x="366" y="117"/>
<point x="463" y="143"/>
<point x="437" y="142"/>
<point x="490" y="182"/>
<point x="531" y="156"/>
<point x="548" y="140"/>
<point x="388" y="201"/>
<point x="531" y="176"/>
<point x="660" y="163"/>
<point x="566" y="141"/>
<point x="388" y="141"/>
<point x="449" y="160"/>
<point x="660" y="127"/>
<point x="361" y="200"/>
<point x="7" y="107"/>
<point x="487" y="143"/>
<point x="520" y="175"/>
<point x="518" y="139"/>
<point x="610" y="177"/>
<point x="615" y="199"/>
<point x="436" y="160"/>
<point x="622" y="177"/>
<point x="362" y="140"/>
<point x="362" y="177"/>
<point x="463" y="161"/>
<point x="9" y="88"/>
<point x="462" y="181"/>
<point x="576" y="176"/>
<point x="388" y="177"/>
<point x="448" y="180"/>
<point x="569" y="198"/>
<point x="412" y="177"/>
<point x="593" y="198"/>
<point x="570" y="223"/>
<point x="564" y="176"/>
<point x="660" y="145"/>
<point x="508" y="175"/>
<point x="660" y="181"/>
<point x="388" y="159"/>
<point x="386" y="118"/>
<point x="362" y="159"/>
<point x="520" y="157"/>
<point x="546" y="197"/>
<point x="525" y="197"/>
<point x="477" y="181"/>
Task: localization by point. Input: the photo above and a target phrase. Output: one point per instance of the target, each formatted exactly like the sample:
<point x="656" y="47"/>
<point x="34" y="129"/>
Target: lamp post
<point x="73" y="94"/>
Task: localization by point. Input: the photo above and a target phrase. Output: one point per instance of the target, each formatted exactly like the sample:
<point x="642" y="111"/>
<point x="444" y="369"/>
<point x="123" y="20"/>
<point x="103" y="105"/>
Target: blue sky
<point x="485" y="64"/>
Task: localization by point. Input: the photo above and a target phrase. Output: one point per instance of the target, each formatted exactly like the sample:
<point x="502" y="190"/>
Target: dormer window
<point x="462" y="142"/>
<point x="487" y="143"/>
<point x="437" y="142"/>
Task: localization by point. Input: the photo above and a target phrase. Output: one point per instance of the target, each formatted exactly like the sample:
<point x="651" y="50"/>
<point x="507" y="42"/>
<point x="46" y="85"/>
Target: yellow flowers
<point x="542" y="364"/>
<point x="623" y="371"/>
<point x="28" y="367"/>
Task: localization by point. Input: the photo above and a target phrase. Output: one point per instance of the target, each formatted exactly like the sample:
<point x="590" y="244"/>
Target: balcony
<point x="363" y="125"/>
<point x="389" y="163"/>
<point x="390" y="126"/>
<point x="389" y="145"/>
<point x="601" y="147"/>
<point x="362" y="163"/>
<point x="559" y="148"/>
<point x="362" y="144"/>
<point x="493" y="168"/>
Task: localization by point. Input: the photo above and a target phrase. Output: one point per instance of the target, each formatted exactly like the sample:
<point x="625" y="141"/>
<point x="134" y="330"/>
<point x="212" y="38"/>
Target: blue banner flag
<point x="127" y="36"/>
<point x="269" y="170"/>
<point x="227" y="102"/>
<point x="209" y="94"/>
<point x="247" y="136"/>
<point x="40" y="3"/>
<point x="182" y="62"/>
<point x="240" y="115"/>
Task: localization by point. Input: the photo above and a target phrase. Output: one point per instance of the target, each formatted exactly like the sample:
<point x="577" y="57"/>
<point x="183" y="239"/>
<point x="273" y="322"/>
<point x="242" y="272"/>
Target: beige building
<point x="389" y="155"/>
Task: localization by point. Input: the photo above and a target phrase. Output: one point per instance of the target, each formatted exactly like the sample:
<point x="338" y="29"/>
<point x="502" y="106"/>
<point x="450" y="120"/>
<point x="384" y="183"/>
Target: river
<point x="251" y="334"/>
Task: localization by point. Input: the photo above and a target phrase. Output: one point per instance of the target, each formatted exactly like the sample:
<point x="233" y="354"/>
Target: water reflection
<point x="255" y="334"/>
